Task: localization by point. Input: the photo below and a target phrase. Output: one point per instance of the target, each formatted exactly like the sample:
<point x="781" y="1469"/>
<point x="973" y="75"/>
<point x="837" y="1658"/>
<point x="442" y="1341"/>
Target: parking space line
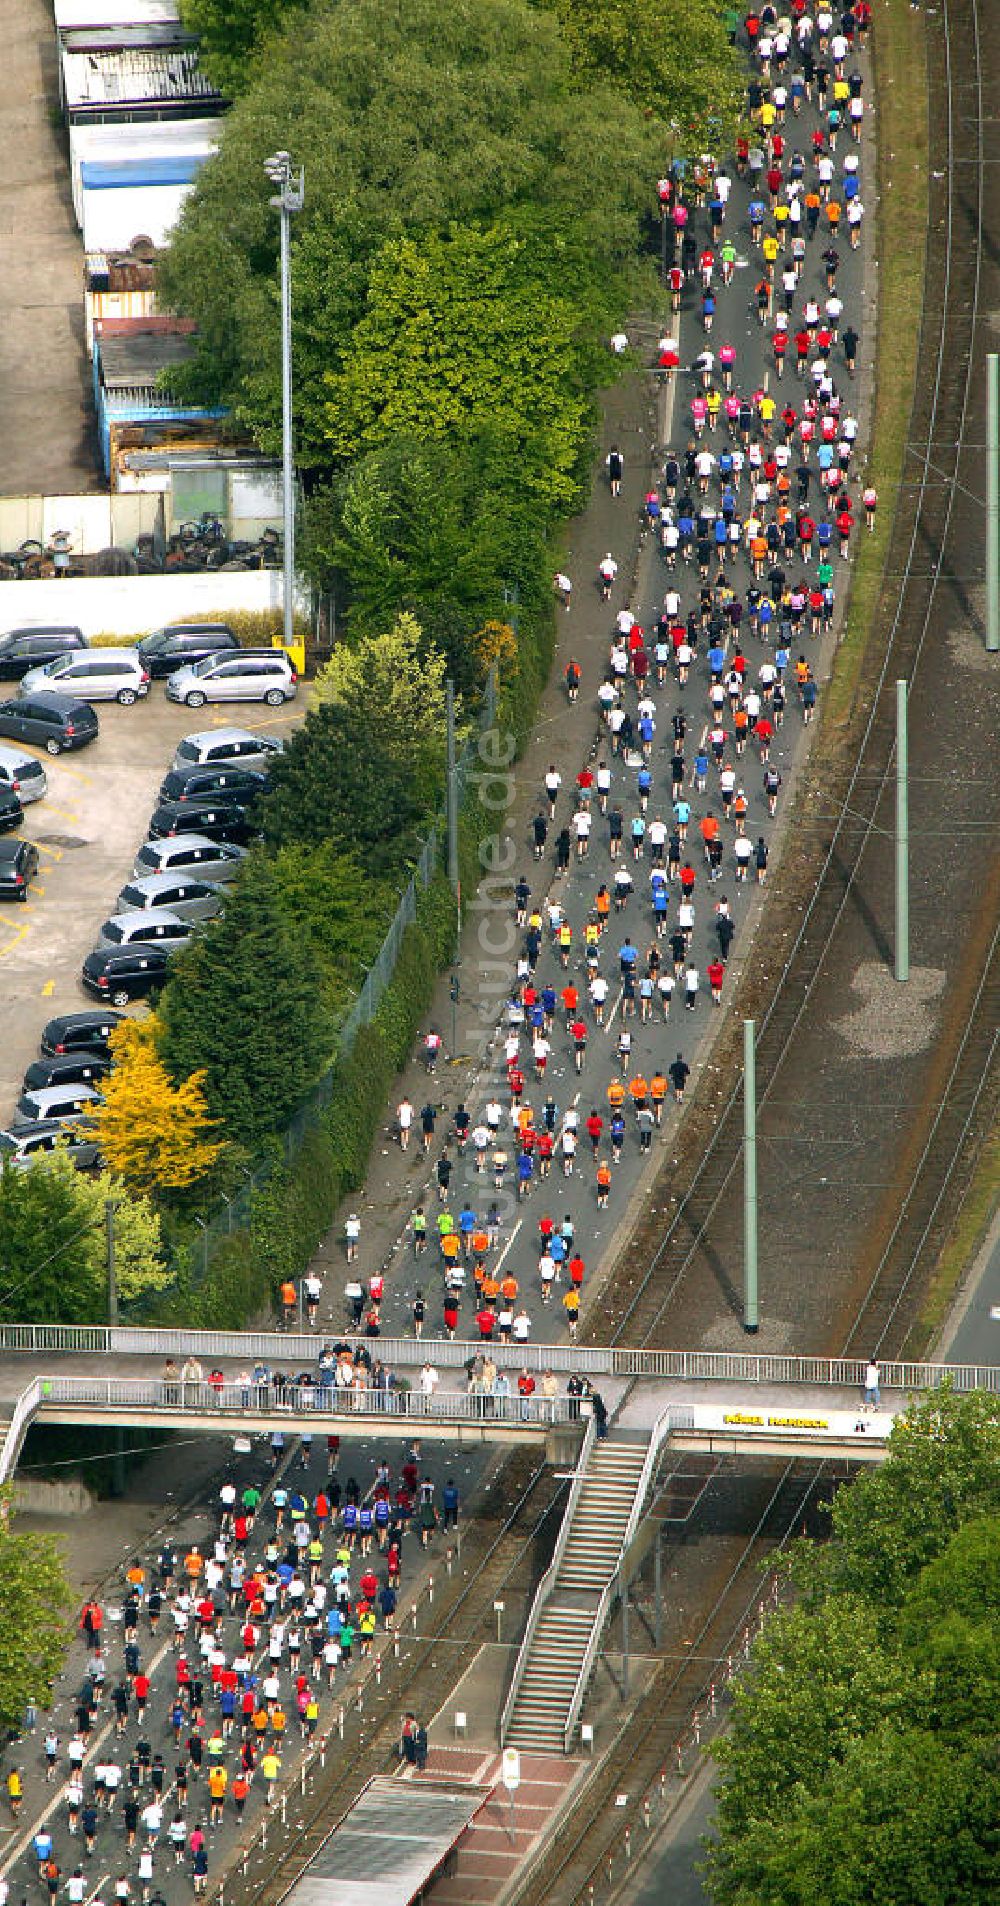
<point x="48" y="989"/>
<point x="55" y="853"/>
<point x="7" y="946"/>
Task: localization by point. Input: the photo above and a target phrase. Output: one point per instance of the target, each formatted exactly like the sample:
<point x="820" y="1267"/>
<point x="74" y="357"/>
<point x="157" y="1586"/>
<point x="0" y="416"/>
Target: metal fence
<point x="296" y="1405"/>
<point x="301" y="1348"/>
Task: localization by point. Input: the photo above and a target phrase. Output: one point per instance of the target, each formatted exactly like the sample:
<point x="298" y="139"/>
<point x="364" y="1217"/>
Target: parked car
<point x="221" y="821"/>
<point x="87" y="1031"/>
<point x="66" y="1104"/>
<point x="54" y="722"/>
<point x="156" y="924"/>
<point x="19" y="1147"/>
<point x="210" y="860"/>
<point x="32" y="645"/>
<point x="210" y="746"/>
<point x="255" y="675"/>
<point x="101" y="675"/>
<point x="226" y="781"/>
<point x="22" y="775"/>
<point x="11" y="811"/>
<point x="170" y="648"/>
<point x="72" y="1068"/>
<point x="124" y="973"/>
<point x="18" y="867"/>
<point x="179" y="893"/>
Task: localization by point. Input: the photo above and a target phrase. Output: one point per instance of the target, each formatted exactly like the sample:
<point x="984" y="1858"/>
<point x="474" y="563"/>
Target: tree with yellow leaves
<point x="154" y="1135"/>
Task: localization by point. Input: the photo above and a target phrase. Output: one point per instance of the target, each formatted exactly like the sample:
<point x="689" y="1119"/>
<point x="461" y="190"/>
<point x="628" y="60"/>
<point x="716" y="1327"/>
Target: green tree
<point x="319" y="888"/>
<point x="243" y="1007"/>
<point x="672" y="57"/>
<point x="406" y="118"/>
<point x="34" y="1633"/>
<point x="342" y="780"/>
<point x="231" y="30"/>
<point x="461" y="331"/>
<point x="862" y="1760"/>
<point x="140" y="1263"/>
<point x="50" y="1244"/>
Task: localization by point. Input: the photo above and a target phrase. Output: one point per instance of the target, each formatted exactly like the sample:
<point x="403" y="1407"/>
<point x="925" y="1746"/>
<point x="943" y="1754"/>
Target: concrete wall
<point x="94" y="522"/>
<point x="71" y="1498"/>
<point x="130" y="606"/>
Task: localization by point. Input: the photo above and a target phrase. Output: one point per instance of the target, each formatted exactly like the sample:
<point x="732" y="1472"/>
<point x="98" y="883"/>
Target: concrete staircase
<point x="571" y="1605"/>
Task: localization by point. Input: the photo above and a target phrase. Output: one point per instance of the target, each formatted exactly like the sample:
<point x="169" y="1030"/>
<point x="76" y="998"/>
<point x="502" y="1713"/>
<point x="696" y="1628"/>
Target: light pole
<point x="288" y="198"/>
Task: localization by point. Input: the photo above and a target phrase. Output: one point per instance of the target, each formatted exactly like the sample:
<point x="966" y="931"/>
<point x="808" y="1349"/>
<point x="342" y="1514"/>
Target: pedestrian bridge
<point x="735" y="1404"/>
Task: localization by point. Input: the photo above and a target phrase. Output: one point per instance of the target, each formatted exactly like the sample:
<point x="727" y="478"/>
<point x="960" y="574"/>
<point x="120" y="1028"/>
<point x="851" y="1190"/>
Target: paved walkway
<point x="46" y="419"/>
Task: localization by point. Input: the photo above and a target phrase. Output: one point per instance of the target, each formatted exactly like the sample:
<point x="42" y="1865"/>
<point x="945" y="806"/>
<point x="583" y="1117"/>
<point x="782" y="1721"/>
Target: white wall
<point x="132" y="605"/>
<point x="93" y="522"/>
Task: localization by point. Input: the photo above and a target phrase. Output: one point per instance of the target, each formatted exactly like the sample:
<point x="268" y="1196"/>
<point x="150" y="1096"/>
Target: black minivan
<point x="52" y="722"/>
<point x="182" y="642"/>
<point x="32" y="647"/>
<point x="87" y="1031"/>
<point x="222" y="820"/>
<point x="124" y="973"/>
<point x="226" y="781"/>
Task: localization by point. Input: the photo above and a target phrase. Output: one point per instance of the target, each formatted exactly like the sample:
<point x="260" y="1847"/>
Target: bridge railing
<point x="301" y="1348"/>
<point x="21" y="1415"/>
<point x="244" y="1401"/>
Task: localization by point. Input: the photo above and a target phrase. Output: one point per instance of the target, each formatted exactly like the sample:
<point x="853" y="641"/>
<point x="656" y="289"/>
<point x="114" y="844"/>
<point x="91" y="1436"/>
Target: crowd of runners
<point x="637" y="871"/>
<point x="210" y="1667"/>
<point x="665" y="826"/>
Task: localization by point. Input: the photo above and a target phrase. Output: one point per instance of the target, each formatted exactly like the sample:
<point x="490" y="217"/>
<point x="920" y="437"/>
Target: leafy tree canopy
<point x="53" y="1242"/>
<point x="244" y="1008"/>
<point x="461" y="331"/>
<point x="34" y="1633"/>
<point x="231" y="30"/>
<point x="862" y="1759"/>
<point x="406" y="117"/>
<point x="672" y="57"/>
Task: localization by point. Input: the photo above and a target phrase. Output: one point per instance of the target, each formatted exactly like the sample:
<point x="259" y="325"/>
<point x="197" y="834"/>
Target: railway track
<point x="655" y="1272"/>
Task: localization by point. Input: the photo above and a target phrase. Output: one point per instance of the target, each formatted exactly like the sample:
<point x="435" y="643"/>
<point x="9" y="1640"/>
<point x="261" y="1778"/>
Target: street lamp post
<point x="287" y="199"/>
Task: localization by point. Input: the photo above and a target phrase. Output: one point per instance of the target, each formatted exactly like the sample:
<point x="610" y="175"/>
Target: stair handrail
<point x="547" y="1583"/>
<point x="658" y="1436"/>
<point x="24" y="1409"/>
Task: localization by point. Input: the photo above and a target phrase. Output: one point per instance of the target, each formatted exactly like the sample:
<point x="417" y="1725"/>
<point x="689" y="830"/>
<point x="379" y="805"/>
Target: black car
<point x="182" y="642"/>
<point x="80" y="1032"/>
<point x="18" y="867"/>
<point x="72" y="1068"/>
<point x="222" y="820"/>
<point x="227" y="782"/>
<point x="11" y="811"/>
<point x="53" y="722"/>
<point x="21" y="649"/>
<point x="124" y="973"/>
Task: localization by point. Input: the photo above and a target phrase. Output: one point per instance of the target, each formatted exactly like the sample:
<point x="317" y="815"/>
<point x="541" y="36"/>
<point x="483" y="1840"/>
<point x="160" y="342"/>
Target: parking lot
<point x="87" y="830"/>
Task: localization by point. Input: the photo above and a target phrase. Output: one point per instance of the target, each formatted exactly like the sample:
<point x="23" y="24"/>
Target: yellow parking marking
<point x="48" y="989"/>
<point x="7" y="946"/>
<point x="56" y="853"/>
<point x="37" y="890"/>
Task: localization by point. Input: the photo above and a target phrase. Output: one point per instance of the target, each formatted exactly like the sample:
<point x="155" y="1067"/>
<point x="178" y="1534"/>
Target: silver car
<point x="22" y="774"/>
<point x="20" y="1145"/>
<point x="221" y="747"/>
<point x="183" y="894"/>
<point x="211" y="860"/>
<point x="255" y="675"/>
<point x="96" y="675"/>
<point x="153" y="926"/>
<point x="63" y="1103"/>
